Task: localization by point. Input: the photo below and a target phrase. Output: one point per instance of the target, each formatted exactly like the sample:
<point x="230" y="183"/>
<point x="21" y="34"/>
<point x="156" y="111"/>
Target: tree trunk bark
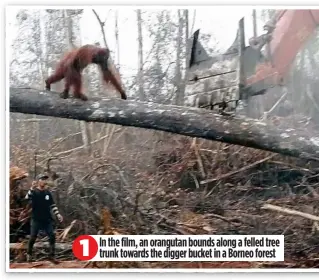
<point x="178" y="75"/>
<point x="117" y="40"/>
<point x="187" y="52"/>
<point x="192" y="122"/>
<point x="83" y="125"/>
<point x="140" y="73"/>
<point x="259" y="98"/>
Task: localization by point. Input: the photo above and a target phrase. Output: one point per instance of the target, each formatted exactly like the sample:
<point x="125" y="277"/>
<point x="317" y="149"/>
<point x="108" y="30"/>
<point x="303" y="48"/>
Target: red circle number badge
<point x="85" y="247"/>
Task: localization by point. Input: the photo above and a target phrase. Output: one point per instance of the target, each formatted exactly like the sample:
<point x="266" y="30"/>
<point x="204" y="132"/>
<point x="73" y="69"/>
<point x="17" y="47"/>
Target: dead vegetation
<point x="173" y="184"/>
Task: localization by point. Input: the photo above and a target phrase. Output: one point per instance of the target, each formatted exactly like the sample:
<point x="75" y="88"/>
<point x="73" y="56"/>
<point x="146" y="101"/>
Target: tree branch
<point x="187" y="121"/>
<point x="101" y="26"/>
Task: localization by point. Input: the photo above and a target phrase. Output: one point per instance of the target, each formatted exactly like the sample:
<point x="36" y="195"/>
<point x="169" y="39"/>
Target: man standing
<point x="41" y="219"/>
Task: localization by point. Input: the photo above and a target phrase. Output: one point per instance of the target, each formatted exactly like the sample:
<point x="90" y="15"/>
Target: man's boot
<point x="52" y="254"/>
<point x="29" y="258"/>
<point x="30" y="249"/>
<point x="53" y="260"/>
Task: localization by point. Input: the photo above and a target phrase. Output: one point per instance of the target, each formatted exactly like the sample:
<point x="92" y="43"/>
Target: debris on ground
<point x="193" y="186"/>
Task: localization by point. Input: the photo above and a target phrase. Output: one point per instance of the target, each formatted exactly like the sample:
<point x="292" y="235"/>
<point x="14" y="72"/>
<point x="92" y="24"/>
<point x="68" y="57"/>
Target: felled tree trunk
<point x="176" y="119"/>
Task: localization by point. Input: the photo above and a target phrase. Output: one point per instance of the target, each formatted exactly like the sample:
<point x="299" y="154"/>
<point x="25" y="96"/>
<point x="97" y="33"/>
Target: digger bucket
<point x="219" y="81"/>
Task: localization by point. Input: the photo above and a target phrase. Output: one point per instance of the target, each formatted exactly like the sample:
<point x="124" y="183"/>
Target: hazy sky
<point x="221" y="22"/>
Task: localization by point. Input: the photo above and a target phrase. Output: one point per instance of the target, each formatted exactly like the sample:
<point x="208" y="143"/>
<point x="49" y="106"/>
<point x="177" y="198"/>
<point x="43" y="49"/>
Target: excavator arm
<point x="244" y="71"/>
<point x="286" y="35"/>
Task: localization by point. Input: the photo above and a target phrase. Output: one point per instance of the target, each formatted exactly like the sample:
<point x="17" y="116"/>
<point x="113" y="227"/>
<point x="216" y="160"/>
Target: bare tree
<point x="186" y="20"/>
<point x="259" y="99"/>
<point x="140" y="74"/>
<point x="86" y="137"/>
<point x="178" y="75"/>
<point x="117" y="39"/>
<point x="109" y="128"/>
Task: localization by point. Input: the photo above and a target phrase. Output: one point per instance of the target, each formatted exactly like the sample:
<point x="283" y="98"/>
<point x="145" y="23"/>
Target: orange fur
<point x="71" y="65"/>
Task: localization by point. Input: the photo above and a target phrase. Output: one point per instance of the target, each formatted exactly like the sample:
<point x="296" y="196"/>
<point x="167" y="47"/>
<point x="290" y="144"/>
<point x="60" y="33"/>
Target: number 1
<point x="85" y="244"/>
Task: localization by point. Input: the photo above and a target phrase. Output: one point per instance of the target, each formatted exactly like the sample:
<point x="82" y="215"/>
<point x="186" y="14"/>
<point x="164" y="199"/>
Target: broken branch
<point x="290" y="212"/>
<point x="224" y="176"/>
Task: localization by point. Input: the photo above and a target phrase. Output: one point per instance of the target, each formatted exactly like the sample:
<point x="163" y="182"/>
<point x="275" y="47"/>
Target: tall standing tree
<point x="178" y="75"/>
<point x="140" y="74"/>
<point x="69" y="17"/>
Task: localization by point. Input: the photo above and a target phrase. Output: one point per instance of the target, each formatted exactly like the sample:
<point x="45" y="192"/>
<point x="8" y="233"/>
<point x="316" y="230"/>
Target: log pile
<point x="19" y="208"/>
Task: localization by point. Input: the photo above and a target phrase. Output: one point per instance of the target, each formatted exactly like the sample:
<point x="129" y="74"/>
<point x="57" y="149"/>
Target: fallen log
<point x="187" y="121"/>
<point x="42" y="245"/>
